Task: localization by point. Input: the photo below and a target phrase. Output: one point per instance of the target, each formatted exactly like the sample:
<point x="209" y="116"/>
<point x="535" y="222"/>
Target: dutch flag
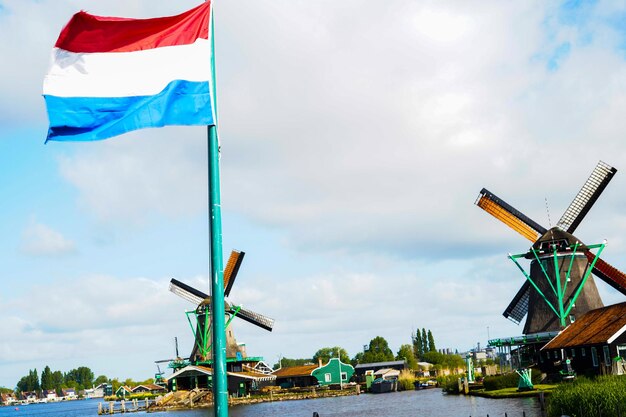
<point x="111" y="75"/>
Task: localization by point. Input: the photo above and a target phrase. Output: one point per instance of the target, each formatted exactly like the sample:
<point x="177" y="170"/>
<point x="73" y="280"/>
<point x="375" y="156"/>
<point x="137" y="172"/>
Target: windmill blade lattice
<point x="510" y="216"/>
<point x="257" y="319"/>
<point x="518" y="307"/>
<point x="586" y="197"/>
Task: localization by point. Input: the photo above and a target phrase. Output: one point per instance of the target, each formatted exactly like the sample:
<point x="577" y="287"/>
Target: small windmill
<point x="202" y="345"/>
<point x="559" y="278"/>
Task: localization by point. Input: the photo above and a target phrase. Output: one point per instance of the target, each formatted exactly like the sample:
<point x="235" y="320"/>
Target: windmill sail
<point x="609" y="274"/>
<point x="586" y="197"/>
<point x="518" y="307"/>
<point x="510" y="216"/>
<point x="188" y="293"/>
<point x="231" y="270"/>
<point x="257" y="319"/>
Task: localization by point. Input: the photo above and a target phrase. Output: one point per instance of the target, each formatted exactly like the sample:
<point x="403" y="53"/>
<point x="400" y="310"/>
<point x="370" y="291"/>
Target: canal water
<point x="426" y="403"/>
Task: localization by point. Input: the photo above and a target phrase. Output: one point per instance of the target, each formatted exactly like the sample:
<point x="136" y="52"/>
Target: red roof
<point x="292" y="371"/>
<point x="597" y="326"/>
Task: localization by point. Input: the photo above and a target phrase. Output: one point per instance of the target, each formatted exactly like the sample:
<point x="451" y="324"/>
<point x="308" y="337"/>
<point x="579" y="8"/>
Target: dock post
<point x="99" y="408"/>
<point x="123" y="403"/>
<point x="146" y="404"/>
<point x="111" y="407"/>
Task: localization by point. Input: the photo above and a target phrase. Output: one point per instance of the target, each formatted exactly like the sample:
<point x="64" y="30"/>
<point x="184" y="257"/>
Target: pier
<point x="130" y="406"/>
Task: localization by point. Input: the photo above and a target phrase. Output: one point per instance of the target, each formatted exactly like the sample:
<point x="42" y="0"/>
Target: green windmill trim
<point x="530" y="280"/>
<point x="569" y="269"/>
<point x="587" y="273"/>
<point x="559" y="292"/>
<point x="203" y="343"/>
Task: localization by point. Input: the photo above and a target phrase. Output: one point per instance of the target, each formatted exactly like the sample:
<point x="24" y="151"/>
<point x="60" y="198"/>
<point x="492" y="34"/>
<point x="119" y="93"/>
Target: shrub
<point x="449" y="383"/>
<point x="510" y="380"/>
<point x="406" y="380"/>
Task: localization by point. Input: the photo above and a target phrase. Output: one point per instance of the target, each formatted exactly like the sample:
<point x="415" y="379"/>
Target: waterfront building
<point x="296" y="376"/>
<point x="49" y="395"/>
<point x="595" y="344"/>
<point x="151" y="388"/>
<point x="334" y="372"/>
<point x="7" y="399"/>
<point x="123" y="391"/>
<point x="239" y="383"/>
<point x="362" y="368"/>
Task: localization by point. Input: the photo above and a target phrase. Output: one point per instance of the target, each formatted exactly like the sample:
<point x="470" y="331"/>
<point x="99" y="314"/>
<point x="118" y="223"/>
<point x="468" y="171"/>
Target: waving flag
<point x="112" y="75"/>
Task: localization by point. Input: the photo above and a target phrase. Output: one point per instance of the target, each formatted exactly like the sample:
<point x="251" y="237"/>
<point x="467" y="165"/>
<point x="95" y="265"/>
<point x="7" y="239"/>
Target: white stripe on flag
<point x="126" y="74"/>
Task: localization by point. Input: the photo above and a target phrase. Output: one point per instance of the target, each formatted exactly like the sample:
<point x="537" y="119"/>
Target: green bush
<point x="406" y="381"/>
<point x="449" y="383"/>
<point x="510" y="380"/>
<point x="604" y="396"/>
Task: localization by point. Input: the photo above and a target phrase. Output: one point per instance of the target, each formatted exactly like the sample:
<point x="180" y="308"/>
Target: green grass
<point x="603" y="396"/>
<point x="514" y="393"/>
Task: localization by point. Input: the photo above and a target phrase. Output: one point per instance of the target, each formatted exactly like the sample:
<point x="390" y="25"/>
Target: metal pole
<point x="220" y="382"/>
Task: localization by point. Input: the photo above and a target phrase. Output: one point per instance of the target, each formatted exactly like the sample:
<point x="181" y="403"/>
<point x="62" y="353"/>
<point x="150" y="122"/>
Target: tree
<point x="406" y="352"/>
<point x="46" y="379"/>
<point x="331" y="352"/>
<point x="378" y="351"/>
<point x="418" y="345"/>
<point x="29" y="382"/>
<point x="56" y="380"/>
<point x="425" y="346"/>
<point x="80" y="378"/>
<point x="431" y="342"/>
<point x="358" y="358"/>
<point x="101" y="379"/>
<point x="288" y="363"/>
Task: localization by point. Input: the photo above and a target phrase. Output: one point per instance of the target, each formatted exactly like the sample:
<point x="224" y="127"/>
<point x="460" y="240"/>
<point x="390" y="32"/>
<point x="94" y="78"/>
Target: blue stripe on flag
<point x="97" y="118"/>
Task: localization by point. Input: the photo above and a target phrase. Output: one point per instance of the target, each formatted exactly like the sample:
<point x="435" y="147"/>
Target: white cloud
<point x="41" y="240"/>
<point x="360" y="134"/>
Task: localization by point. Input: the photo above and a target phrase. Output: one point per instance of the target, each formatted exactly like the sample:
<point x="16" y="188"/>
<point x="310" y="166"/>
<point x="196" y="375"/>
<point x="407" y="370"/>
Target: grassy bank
<point x="513" y="392"/>
<point x="603" y="396"/>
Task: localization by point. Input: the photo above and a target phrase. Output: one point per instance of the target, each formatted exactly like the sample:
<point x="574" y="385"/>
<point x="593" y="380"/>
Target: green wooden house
<point x="334" y="372"/>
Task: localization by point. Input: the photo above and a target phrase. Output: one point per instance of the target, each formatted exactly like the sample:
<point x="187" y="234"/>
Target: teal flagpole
<point x="220" y="381"/>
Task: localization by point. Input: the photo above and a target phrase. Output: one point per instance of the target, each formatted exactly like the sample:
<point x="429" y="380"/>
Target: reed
<point x="406" y="380"/>
<point x="603" y="396"/>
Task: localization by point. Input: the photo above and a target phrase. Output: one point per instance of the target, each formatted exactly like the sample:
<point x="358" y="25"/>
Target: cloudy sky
<point x="355" y="135"/>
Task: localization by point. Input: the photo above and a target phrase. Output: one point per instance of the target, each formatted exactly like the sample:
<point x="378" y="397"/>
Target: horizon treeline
<point x="79" y="379"/>
<point x="421" y="348"/>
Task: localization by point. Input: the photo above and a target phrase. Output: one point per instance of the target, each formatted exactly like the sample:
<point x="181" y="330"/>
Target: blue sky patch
<point x="560" y="53"/>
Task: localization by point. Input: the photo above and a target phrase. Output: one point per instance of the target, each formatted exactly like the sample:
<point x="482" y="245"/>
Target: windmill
<point x="560" y="273"/>
<point x="202" y="344"/>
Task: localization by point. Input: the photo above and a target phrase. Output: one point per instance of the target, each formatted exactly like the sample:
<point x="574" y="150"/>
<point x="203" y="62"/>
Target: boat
<point x="380" y="385"/>
<point x="425" y="385"/>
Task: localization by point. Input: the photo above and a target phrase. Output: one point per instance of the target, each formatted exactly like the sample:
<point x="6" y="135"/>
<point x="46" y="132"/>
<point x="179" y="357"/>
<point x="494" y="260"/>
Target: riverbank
<point x="514" y="393"/>
<point x="203" y="398"/>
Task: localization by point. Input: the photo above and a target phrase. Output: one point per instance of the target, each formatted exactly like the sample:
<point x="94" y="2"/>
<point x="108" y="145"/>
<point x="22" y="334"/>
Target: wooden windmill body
<point x="200" y="352"/>
<point x="559" y="243"/>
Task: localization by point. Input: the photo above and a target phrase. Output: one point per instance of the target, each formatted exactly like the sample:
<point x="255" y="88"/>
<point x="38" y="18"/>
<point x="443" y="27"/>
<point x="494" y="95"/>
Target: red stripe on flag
<point x="88" y="33"/>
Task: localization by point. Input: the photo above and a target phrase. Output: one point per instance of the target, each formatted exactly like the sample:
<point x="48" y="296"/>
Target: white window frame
<point x="621" y="351"/>
<point x="328" y="377"/>
<point x="344" y="376"/>
<point x="583" y="352"/>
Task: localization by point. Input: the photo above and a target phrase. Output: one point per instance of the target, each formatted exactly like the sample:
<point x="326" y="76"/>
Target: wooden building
<point x="151" y="388"/>
<point x="334" y="372"/>
<point x="595" y="344"/>
<point x="361" y="368"/>
<point x="296" y="376"/>
<point x="239" y="383"/>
